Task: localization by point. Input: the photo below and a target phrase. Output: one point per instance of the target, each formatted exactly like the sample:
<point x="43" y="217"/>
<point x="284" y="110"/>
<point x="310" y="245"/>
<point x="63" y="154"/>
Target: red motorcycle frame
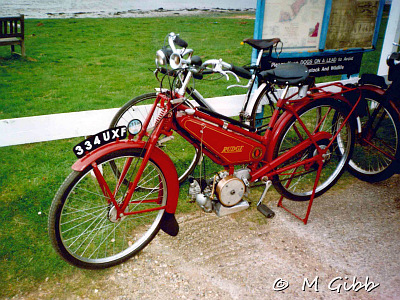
<point x="225" y="144"/>
<point x="122" y="193"/>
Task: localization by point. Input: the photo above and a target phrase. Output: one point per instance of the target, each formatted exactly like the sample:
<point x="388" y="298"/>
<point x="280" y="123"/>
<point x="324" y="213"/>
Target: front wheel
<point x="83" y="224"/>
<point x="297" y="183"/>
<point x="184" y="155"/>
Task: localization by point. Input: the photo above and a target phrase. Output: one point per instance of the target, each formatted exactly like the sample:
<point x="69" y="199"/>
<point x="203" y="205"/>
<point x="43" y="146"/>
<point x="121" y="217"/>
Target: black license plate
<point x="99" y="139"/>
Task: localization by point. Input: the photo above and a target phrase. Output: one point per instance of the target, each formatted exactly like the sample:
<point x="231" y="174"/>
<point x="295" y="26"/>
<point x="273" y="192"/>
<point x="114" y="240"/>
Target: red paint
<point x="156" y="155"/>
<point x="224" y="143"/>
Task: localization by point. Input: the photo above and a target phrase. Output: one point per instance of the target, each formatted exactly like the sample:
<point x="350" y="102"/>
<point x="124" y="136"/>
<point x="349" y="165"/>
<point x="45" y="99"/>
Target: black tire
<point x="297" y="184"/>
<point x="83" y="227"/>
<point x="184" y="156"/>
<point x="378" y="142"/>
<point x="262" y="110"/>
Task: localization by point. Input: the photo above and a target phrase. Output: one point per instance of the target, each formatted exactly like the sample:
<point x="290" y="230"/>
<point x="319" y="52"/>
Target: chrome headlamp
<point x="161" y="58"/>
<point x="175" y="60"/>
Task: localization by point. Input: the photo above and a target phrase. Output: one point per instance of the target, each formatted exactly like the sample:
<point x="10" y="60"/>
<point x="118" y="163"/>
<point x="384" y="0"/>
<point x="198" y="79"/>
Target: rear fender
<point x="394" y="102"/>
<point x="279" y="125"/>
<point x="287" y="115"/>
<point x="372" y="88"/>
<point x="157" y="156"/>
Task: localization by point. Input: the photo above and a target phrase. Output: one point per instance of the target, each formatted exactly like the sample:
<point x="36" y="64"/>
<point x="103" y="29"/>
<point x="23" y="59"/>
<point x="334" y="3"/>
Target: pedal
<point x="266" y="211"/>
<point x="262" y="208"/>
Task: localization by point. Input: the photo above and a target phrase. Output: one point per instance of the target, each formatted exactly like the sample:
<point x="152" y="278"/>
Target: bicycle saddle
<point x="262" y="44"/>
<point x="289" y="73"/>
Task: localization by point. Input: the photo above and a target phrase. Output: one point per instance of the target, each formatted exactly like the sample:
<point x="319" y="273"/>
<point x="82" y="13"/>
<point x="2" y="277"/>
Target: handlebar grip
<point x="180" y="42"/>
<point x="242" y="72"/>
<point x="207" y="72"/>
<point x="198" y="76"/>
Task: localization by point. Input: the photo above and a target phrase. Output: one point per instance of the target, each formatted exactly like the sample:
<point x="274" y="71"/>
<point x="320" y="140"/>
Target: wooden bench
<point x="12" y="32"/>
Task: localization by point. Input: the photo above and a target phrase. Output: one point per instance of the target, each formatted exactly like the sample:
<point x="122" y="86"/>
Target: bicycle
<point x="377" y="149"/>
<point x="102" y="216"/>
<point x="185" y="156"/>
<point x="377" y="143"/>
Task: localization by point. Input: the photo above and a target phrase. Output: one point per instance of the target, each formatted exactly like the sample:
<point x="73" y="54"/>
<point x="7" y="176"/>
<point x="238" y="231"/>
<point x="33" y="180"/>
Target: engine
<point x="223" y="193"/>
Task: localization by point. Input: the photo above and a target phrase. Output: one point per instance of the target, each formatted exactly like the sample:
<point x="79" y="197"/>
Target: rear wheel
<point x="263" y="109"/>
<point x="377" y="145"/>
<point x="83" y="225"/>
<point x="184" y="156"/>
<point x="297" y="183"/>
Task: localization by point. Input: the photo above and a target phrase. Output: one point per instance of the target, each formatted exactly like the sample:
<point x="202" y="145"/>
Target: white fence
<point x="67" y="125"/>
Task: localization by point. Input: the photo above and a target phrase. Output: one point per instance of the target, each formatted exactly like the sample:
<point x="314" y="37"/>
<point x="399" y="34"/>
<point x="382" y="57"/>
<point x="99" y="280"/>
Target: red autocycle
<point x="122" y="191"/>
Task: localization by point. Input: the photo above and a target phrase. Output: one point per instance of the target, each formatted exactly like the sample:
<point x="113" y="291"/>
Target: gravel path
<point x="351" y="233"/>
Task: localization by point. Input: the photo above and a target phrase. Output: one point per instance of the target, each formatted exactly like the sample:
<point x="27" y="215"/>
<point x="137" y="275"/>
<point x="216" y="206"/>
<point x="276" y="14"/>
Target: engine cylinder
<point x="230" y="190"/>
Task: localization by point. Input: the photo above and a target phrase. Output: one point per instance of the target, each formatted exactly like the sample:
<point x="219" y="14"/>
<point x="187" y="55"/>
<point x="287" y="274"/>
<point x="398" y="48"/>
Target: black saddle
<point x="262" y="44"/>
<point x="287" y="74"/>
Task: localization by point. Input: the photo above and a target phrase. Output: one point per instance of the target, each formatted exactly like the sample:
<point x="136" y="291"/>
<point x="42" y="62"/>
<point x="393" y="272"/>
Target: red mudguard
<point x="285" y="117"/>
<point x="159" y="157"/>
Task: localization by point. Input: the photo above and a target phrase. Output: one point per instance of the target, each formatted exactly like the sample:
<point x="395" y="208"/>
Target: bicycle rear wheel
<point x="83" y="224"/>
<point x="377" y="145"/>
<point x="263" y="109"/>
<point x="184" y="156"/>
<point x="318" y="116"/>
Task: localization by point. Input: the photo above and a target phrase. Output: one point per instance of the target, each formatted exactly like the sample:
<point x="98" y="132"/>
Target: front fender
<point x="161" y="159"/>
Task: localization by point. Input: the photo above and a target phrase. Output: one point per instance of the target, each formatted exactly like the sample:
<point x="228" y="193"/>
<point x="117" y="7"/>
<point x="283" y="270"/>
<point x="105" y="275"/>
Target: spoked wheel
<point x="377" y="145"/>
<point x="84" y="226"/>
<point x="262" y="110"/>
<point x="297" y="183"/>
<point x="184" y="156"/>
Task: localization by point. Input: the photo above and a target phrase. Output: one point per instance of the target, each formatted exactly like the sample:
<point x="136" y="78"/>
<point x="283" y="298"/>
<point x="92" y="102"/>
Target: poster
<point x="352" y="24"/>
<point x="297" y="23"/>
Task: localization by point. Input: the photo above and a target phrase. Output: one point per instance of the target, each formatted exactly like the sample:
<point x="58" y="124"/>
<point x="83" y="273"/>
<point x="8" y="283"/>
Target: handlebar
<point x="175" y="58"/>
<point x="174" y="39"/>
<point x="219" y="66"/>
<point x="180" y="42"/>
<point x="224" y="68"/>
<point x="183" y="59"/>
<point x="242" y="72"/>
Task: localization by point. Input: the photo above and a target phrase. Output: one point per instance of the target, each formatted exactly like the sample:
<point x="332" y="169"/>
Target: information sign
<point x="352" y="24"/>
<point x="322" y="65"/>
<point x="297" y="23"/>
<point x="329" y="36"/>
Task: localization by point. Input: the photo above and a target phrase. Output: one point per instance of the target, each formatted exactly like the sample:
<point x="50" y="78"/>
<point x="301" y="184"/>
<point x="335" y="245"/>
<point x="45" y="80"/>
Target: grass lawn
<point x="75" y="65"/>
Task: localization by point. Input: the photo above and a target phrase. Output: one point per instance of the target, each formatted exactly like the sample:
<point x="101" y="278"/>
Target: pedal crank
<point x="160" y="143"/>
<point x="262" y="208"/>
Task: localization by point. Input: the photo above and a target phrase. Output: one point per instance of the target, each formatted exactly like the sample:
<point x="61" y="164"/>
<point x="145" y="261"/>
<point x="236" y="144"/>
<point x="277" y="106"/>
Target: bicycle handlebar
<point x="180" y="42"/>
<point x="174" y="39"/>
<point x="183" y="59"/>
<point x="242" y="72"/>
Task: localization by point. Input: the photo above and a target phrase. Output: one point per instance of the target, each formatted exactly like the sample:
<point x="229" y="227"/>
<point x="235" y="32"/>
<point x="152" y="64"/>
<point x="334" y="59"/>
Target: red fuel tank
<point x="233" y="148"/>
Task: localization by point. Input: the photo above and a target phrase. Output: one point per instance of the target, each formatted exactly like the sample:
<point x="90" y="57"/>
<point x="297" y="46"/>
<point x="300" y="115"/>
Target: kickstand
<point x="280" y="204"/>
<point x="262" y="208"/>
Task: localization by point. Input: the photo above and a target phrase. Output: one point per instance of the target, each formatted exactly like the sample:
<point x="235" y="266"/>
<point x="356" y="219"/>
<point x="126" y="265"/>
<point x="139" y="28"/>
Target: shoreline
<point x="136" y="13"/>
